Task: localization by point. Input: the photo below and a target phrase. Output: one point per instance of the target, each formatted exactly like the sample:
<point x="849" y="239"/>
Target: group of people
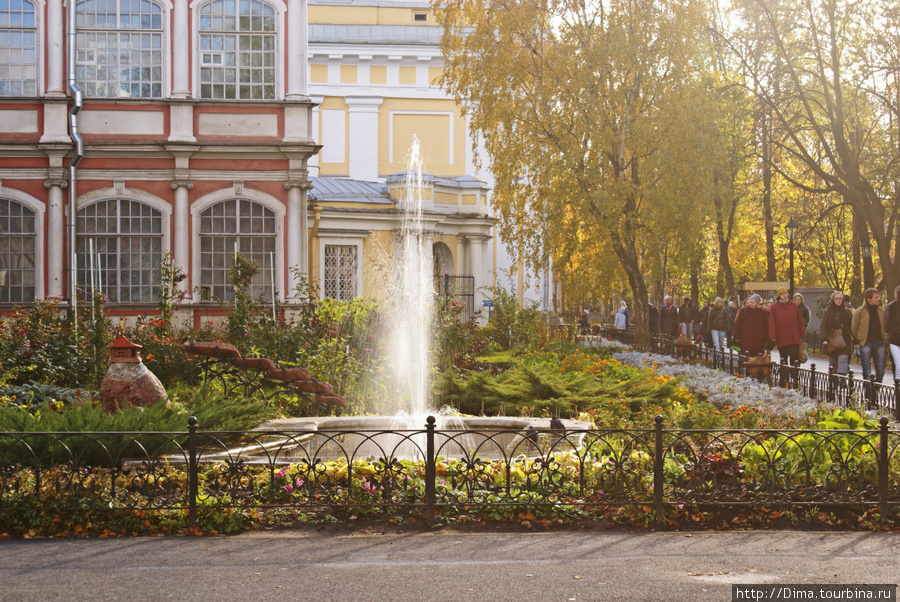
<point x="870" y="328"/>
<point x="782" y="322"/>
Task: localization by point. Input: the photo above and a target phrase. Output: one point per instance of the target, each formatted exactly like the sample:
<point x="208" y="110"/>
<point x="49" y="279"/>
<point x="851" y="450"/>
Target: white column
<point x="297" y="55"/>
<point x="181" y="252"/>
<point x="56" y="43"/>
<point x="461" y="264"/>
<point x="181" y="42"/>
<point x="296" y="235"/>
<point x="56" y="250"/>
<point x="363" y="156"/>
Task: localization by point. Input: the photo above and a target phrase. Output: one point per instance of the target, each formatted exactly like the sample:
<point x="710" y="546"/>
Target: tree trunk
<point x="771" y="272"/>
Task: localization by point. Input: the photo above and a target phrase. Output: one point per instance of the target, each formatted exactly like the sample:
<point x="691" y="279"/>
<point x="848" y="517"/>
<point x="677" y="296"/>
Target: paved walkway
<point x="822" y="365"/>
<point x="441" y="565"/>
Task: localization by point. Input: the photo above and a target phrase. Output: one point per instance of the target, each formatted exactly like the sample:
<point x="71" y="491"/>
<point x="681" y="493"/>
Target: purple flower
<point x="289" y="488"/>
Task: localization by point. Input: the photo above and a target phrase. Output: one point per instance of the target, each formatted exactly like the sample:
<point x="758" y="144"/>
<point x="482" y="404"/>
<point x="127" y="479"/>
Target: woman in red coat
<point x="751" y="328"/>
<point x="786" y="327"/>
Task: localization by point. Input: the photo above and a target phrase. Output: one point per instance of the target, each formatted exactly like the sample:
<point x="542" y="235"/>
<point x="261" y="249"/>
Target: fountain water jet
<point x="413" y="299"/>
<point x="409" y="351"/>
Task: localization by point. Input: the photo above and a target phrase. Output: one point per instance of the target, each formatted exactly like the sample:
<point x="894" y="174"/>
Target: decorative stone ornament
<point x="123" y="350"/>
<point x="128" y="381"/>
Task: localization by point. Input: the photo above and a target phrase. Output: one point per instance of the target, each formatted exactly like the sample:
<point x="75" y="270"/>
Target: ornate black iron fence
<point x="460" y="288"/>
<point x="825" y="386"/>
<point x="429" y="469"/>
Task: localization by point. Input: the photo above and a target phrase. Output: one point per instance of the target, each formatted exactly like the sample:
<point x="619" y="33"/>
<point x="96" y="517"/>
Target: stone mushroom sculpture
<point x="128" y="381"/>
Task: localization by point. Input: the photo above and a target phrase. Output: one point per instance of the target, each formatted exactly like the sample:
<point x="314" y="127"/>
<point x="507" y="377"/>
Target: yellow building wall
<point x="434" y="73"/>
<point x="378" y="251"/>
<point x="332" y="168"/>
<point x="451" y="242"/>
<point x="430" y="120"/>
<point x="318" y="74"/>
<point x="367" y="15"/>
<point x="348" y="74"/>
<point x="445" y="198"/>
<point x="378" y="74"/>
<point x="407" y="75"/>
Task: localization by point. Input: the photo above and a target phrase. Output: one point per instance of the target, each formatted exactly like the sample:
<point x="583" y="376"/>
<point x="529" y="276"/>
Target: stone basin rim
<point x="370" y="423"/>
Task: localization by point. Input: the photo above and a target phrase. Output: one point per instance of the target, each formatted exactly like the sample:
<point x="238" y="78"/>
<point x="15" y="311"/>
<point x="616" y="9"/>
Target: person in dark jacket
<point x="751" y="328"/>
<point x="786" y="327"/>
<point x="804" y="309"/>
<point x="653" y="319"/>
<point x="622" y="304"/>
<point x="837" y="317"/>
<point x="892" y="330"/>
<point x="867" y="329"/>
<point x="719" y="323"/>
<point x="687" y="315"/>
<point x="668" y="318"/>
<point x="704" y="324"/>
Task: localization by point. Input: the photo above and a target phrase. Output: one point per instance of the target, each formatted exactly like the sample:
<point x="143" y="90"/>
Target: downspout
<point x="79" y="149"/>
<point x="313" y="255"/>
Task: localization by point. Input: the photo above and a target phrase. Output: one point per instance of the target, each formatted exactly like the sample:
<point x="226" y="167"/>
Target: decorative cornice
<point x="301" y="184"/>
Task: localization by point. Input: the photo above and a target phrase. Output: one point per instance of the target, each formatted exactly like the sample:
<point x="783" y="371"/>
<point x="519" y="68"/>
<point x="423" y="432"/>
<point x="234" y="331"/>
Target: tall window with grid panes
<point x="231" y="227"/>
<point x="17" y="252"/>
<point x="119" y="48"/>
<point x="120" y="247"/>
<point x="237" y="50"/>
<point x="18" y="48"/>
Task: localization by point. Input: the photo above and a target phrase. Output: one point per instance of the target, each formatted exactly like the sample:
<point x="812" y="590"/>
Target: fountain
<point x="410" y="361"/>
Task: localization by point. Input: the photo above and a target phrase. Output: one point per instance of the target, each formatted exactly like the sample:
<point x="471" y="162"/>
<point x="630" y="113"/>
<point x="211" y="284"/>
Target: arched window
<point x="230" y="227"/>
<point x="126" y="238"/>
<point x="237" y="50"/>
<point x="18" y="48"/>
<point x="119" y="48"/>
<point x="17" y="252"/>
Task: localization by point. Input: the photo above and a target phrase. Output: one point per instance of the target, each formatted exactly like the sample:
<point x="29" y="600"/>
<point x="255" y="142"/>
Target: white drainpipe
<point x="79" y="147"/>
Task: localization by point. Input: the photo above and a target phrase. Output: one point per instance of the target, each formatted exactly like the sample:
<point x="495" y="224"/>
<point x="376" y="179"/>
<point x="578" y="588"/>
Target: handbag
<point x="804" y="355"/>
<point x="836" y="341"/>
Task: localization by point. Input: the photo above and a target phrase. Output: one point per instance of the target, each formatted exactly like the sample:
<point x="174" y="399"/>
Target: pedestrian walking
<point x="622" y="304"/>
<point x="751" y="328"/>
<point x="837" y="318"/>
<point x="719" y="323"/>
<point x="668" y="318"/>
<point x="620" y="322"/>
<point x="786" y="327"/>
<point x="892" y="331"/>
<point x="732" y="309"/>
<point x="687" y="315"/>
<point x="804" y="309"/>
<point x="653" y="319"/>
<point x="867" y="329"/>
<point x="704" y="323"/>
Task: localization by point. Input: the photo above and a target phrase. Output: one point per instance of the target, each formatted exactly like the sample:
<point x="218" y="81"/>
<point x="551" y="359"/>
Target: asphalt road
<point x="441" y="565"/>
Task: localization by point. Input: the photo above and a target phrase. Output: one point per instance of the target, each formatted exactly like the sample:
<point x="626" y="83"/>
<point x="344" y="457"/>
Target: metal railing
<point x="431" y="470"/>
<point x="824" y="386"/>
<point x="460" y="288"/>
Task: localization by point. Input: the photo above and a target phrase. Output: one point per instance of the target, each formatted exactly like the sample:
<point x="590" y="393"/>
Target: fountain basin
<point x="350" y="437"/>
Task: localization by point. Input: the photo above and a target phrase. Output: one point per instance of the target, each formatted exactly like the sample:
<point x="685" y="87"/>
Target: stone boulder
<point x="130" y="384"/>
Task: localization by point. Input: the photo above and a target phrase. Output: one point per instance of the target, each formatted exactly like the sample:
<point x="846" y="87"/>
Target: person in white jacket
<point x="620" y="323"/>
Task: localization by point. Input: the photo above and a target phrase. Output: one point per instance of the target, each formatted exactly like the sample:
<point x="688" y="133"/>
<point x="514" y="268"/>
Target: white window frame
<point x="134" y="194"/>
<point x="280" y="9"/>
<point x="166" y="48"/>
<point x="343" y="240"/>
<point x="249" y="194"/>
<point x="39" y="208"/>
<point x="39" y="9"/>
